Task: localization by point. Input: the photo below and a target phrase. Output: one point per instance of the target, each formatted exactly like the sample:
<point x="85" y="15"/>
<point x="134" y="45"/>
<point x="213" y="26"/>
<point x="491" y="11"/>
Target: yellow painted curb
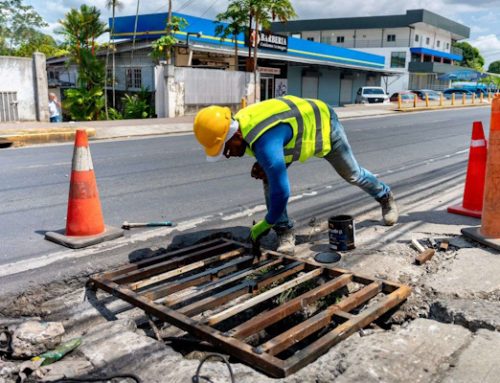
<point x="42" y="136"/>
<point x="437" y="107"/>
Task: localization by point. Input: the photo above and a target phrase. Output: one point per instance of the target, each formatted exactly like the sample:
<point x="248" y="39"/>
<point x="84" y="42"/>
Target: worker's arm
<point x="268" y="150"/>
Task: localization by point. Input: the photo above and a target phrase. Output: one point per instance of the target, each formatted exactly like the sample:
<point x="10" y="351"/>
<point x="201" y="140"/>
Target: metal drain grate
<point x="274" y="312"/>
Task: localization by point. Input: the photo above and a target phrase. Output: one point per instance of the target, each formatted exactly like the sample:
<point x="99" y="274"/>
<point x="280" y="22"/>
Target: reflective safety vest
<point x="309" y="119"/>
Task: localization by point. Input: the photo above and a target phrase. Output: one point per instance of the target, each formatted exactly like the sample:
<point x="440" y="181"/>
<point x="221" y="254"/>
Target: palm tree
<point x="113" y="5"/>
<point x="262" y="12"/>
<point x="91" y="25"/>
<point x="235" y="16"/>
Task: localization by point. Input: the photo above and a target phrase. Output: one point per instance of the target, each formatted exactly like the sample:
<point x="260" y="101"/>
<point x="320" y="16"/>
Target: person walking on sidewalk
<point x="54" y="108"/>
<point x="278" y="132"/>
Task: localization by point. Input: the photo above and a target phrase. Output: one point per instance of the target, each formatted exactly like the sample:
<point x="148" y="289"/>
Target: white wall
<point x="17" y="76"/>
<point x="434" y="35"/>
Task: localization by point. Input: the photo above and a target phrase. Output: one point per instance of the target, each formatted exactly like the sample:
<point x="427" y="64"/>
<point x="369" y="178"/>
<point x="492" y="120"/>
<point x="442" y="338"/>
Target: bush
<point x="84" y="104"/>
<point x="137" y="105"/>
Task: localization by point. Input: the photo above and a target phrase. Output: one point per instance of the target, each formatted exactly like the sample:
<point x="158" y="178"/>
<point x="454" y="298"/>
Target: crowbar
<point x="129" y="225"/>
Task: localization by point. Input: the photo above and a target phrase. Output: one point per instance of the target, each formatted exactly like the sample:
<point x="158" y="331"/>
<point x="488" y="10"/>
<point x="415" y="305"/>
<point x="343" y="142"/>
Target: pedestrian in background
<point x="54" y="108"/>
<point x="278" y="132"/>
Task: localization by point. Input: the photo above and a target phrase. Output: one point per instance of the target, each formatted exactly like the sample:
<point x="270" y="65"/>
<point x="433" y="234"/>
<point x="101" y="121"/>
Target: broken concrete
<point x="33" y="338"/>
<point x="472" y="274"/>
<point x="8" y="370"/>
<point x="479" y="362"/>
<point x="472" y="314"/>
<point x="412" y="354"/>
<point x="64" y="369"/>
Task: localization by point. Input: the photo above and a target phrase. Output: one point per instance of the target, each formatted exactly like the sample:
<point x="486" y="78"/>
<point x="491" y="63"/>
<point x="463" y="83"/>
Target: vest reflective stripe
<point x="295" y="151"/>
<point x="309" y="120"/>
<point x="319" y="132"/>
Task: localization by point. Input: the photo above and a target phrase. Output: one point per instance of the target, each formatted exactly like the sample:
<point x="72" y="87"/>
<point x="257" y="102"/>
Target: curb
<point x="24" y="137"/>
<point x="423" y="108"/>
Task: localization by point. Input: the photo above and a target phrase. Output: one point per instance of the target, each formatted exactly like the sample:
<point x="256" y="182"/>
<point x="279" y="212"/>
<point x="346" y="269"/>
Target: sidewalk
<point x="29" y="133"/>
<point x="447" y="331"/>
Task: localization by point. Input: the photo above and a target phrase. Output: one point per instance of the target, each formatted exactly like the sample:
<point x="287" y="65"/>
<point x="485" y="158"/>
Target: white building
<point x="418" y="44"/>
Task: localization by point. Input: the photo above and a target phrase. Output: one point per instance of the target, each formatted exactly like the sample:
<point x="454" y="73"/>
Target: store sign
<point x="269" y="41"/>
<point x="268" y="70"/>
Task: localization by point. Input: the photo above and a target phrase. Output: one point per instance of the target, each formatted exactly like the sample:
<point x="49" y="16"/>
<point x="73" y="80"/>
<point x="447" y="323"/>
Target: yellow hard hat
<point x="211" y="126"/>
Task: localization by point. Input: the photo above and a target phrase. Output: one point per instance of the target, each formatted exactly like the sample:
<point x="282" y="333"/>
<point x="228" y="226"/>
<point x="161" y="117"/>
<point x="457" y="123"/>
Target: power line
<point x="185" y="5"/>
<point x="210" y="7"/>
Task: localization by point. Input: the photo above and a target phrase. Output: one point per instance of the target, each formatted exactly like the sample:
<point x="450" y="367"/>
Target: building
<point x="417" y="44"/>
<point x="286" y="64"/>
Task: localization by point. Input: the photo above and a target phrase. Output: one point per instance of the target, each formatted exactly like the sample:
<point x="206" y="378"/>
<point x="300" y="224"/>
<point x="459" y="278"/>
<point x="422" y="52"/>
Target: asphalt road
<point x="167" y="178"/>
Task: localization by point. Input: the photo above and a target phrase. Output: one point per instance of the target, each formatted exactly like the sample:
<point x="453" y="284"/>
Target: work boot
<point x="286" y="242"/>
<point x="389" y="209"/>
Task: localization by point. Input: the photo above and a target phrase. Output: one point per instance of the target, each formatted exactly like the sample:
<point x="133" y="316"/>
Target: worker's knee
<point x="352" y="177"/>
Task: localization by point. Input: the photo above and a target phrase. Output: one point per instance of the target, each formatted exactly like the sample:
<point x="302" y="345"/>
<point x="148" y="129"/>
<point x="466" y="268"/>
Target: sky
<point x="481" y="16"/>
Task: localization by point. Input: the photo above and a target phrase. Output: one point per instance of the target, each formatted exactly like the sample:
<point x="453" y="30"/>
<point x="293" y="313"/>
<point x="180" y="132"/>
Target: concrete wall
<point x="27" y="77"/>
<point x="178" y="90"/>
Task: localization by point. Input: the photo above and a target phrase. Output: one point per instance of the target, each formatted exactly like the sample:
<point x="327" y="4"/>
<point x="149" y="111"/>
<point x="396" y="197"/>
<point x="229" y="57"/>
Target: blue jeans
<point x="343" y="161"/>
<point x="56" y="119"/>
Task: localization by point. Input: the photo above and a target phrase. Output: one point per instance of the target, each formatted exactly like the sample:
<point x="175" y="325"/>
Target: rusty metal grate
<point x="274" y="312"/>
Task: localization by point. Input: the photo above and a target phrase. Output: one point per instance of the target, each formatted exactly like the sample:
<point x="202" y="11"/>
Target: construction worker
<point x="278" y="132"/>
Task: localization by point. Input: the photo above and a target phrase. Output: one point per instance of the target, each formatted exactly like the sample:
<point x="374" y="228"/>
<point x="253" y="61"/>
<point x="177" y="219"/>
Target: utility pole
<point x="169" y="28"/>
<point x="169" y="17"/>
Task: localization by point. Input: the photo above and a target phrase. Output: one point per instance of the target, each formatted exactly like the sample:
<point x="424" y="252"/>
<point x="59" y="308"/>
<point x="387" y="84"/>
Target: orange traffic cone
<point x="84" y="222"/>
<point x="472" y="204"/>
<point x="489" y="232"/>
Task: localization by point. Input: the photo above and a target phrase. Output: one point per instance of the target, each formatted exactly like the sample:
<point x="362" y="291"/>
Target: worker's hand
<point x="258" y="173"/>
<point x="260" y="229"/>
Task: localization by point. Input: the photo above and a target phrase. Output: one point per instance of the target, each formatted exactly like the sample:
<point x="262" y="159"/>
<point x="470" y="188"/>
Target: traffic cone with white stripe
<point x="489" y="232"/>
<point x="472" y="204"/>
<point x="84" y="221"/>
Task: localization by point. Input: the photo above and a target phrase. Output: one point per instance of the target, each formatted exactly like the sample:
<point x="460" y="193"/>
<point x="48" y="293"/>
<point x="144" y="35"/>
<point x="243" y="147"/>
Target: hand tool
<point x="129" y="225"/>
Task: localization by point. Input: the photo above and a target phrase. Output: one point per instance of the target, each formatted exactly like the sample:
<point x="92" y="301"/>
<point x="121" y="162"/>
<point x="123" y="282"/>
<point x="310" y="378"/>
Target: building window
<point x="447" y="45"/>
<point x="310" y="38"/>
<point x="391" y="38"/>
<point x="340" y="39"/>
<point x="134" y="79"/>
<point x="398" y="59"/>
<point x="427" y="40"/>
<point x="438" y="43"/>
<point x="297" y="35"/>
<point x="416" y="38"/>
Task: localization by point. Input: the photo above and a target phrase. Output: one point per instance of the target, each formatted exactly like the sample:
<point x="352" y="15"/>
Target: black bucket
<point x="341" y="232"/>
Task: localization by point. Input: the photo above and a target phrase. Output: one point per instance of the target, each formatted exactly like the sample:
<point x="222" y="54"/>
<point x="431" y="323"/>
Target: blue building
<point x="285" y="64"/>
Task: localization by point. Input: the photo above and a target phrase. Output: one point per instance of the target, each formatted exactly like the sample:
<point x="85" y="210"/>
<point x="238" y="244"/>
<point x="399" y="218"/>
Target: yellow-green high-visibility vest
<point x="309" y="119"/>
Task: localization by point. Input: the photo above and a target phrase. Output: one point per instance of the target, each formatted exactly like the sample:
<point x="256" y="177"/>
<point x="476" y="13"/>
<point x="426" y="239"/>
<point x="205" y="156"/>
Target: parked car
<point x="406" y="96"/>
<point x="432" y="94"/>
<point x="458" y="93"/>
<point x="371" y="95"/>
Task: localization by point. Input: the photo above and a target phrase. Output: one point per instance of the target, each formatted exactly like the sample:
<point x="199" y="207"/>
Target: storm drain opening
<point x="276" y="313"/>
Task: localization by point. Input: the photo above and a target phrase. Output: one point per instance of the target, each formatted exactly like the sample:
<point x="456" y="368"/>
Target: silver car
<point x="371" y="95"/>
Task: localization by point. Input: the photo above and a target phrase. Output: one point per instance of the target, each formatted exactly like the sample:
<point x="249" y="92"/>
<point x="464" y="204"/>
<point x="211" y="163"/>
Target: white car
<point x="371" y="95"/>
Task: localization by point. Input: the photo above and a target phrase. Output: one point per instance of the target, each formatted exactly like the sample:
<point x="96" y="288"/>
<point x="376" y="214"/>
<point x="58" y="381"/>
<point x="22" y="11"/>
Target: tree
<point x="18" y="23"/>
<point x="262" y="12"/>
<point x="235" y="17"/>
<point x="39" y="42"/>
<point x="494" y="67"/>
<point x="471" y="56"/>
<point x="80" y="28"/>
<point x="162" y="47"/>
